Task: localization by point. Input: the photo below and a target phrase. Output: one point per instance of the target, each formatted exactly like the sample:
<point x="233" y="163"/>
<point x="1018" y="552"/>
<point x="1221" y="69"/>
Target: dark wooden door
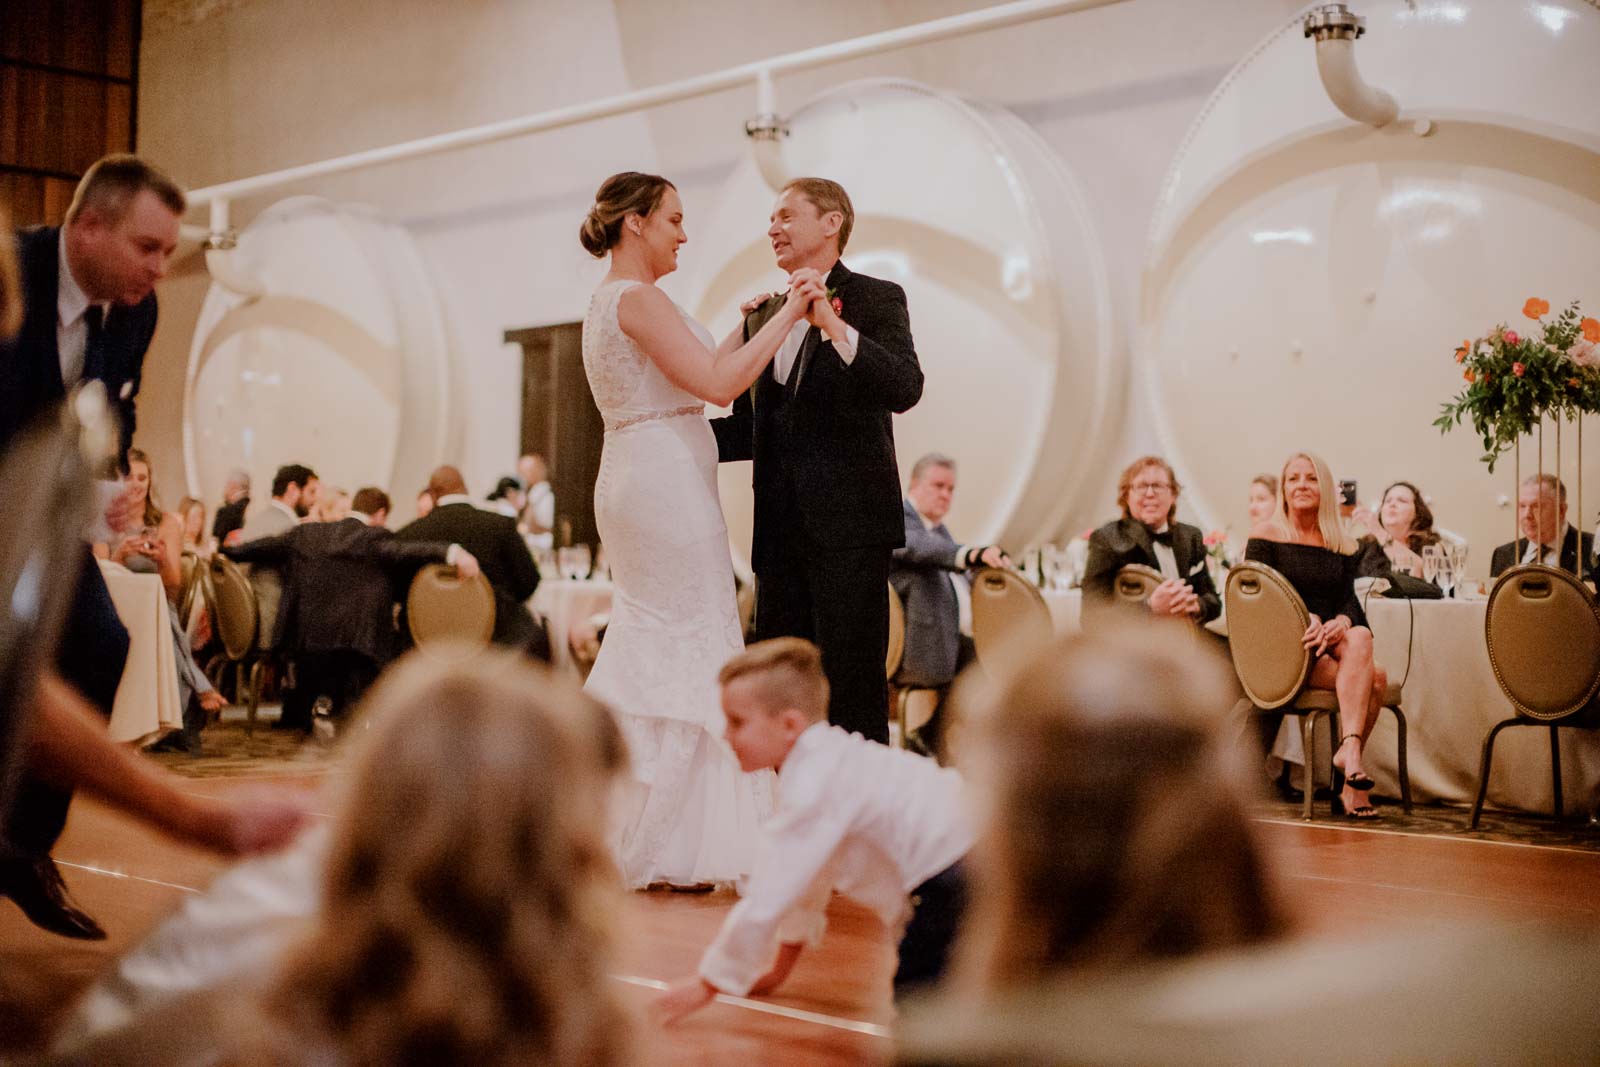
<point x="561" y="423"/>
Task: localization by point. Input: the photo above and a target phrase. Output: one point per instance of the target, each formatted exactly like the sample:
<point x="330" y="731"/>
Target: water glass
<point x="573" y="562"/>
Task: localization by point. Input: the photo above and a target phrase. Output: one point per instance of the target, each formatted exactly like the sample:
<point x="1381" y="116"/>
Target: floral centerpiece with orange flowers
<point x="1514" y="380"/>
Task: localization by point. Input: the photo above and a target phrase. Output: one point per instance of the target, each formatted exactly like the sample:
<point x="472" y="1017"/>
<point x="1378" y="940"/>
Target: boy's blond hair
<point x="785" y="672"/>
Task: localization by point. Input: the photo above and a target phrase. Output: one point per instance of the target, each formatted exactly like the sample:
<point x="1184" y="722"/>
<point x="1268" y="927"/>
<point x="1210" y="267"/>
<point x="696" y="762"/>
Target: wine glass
<point x="1447" y="572"/>
<point x="1432" y="557"/>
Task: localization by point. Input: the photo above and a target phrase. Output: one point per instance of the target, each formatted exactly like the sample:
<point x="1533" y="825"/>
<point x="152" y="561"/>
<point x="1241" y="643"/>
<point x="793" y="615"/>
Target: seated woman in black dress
<point x="1307" y="544"/>
<point x="1149" y="533"/>
<point x="1402" y="528"/>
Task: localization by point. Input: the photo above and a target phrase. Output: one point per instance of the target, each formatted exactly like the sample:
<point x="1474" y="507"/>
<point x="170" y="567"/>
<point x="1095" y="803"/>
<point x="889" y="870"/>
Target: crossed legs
<point x="1348" y="669"/>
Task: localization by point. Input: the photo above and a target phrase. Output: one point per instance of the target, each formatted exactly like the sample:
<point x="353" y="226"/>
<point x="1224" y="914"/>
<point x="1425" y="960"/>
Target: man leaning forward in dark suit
<point x="341" y="580"/>
<point x="933" y="575"/>
<point x="1150" y="534"/>
<point x="1541" y="520"/>
<point x="90" y="310"/>
<point x="501" y="552"/>
<point x="818" y="425"/>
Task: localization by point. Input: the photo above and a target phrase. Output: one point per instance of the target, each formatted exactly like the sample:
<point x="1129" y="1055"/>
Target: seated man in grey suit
<point x="932" y="575"/>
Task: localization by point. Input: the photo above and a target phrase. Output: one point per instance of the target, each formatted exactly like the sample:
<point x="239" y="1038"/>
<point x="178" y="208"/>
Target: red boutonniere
<point x="834" y="302"/>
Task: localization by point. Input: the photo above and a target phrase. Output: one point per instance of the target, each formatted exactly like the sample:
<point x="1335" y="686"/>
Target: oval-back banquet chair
<point x="236" y="617"/>
<point x="1267" y="620"/>
<point x="1543" y="631"/>
<point x="449" y="615"/>
<point x="1010" y="620"/>
<point x="913" y="705"/>
<point x="1134" y="583"/>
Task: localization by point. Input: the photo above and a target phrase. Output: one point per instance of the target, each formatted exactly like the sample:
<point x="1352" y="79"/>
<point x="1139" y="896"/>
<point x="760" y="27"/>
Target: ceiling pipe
<point x="219" y="246"/>
<point x="1336" y="28"/>
<point x="766" y="130"/>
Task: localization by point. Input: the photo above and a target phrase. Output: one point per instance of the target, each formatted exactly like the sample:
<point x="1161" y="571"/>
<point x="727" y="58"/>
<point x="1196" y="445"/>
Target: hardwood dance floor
<point x="834" y="1009"/>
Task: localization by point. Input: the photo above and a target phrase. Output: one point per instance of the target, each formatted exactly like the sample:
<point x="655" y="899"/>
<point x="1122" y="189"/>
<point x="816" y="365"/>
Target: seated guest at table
<point x="1148" y="533"/>
<point x="153" y="545"/>
<point x="1263" y="498"/>
<point x="295" y="489"/>
<point x="1541" y="518"/>
<point x="235" y="500"/>
<point x="507" y="498"/>
<point x="333" y="504"/>
<point x="501" y="553"/>
<point x="932" y="575"/>
<point x="1307" y="543"/>
<point x="539" y="510"/>
<point x="192" y="524"/>
<point x="1402" y="528"/>
<point x="155" y="548"/>
<point x="336" y="621"/>
<point x="424" y="504"/>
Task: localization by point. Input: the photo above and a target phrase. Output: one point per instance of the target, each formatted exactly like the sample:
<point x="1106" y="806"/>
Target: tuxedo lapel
<point x="1139" y="534"/>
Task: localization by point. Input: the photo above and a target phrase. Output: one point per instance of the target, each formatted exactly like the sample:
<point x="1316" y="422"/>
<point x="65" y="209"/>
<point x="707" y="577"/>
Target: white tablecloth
<point x="1066" y="609"/>
<point x="147" y="698"/>
<point x="1451" y="701"/>
<point x="566" y="602"/>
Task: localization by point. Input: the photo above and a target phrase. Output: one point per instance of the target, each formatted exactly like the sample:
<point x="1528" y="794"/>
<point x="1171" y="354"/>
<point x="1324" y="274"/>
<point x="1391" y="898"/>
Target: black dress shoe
<point x="36" y="887"/>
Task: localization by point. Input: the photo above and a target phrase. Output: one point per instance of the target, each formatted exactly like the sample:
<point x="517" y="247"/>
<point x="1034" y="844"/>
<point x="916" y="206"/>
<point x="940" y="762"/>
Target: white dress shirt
<point x="871" y="821"/>
<point x="1166" y="561"/>
<point x="783" y="362"/>
<point x="1549" y="555"/>
<point x="72" y="328"/>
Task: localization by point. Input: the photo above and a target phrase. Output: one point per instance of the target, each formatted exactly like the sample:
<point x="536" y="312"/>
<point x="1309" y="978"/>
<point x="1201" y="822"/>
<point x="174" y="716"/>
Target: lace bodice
<point x="628" y="387"/>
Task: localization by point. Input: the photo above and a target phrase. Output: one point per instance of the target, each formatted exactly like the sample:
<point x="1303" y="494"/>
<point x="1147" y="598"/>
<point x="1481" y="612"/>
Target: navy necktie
<point x="93" y="354"/>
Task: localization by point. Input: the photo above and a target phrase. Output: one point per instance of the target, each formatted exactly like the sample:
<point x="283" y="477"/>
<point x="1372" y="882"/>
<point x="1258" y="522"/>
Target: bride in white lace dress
<point x="690" y="815"/>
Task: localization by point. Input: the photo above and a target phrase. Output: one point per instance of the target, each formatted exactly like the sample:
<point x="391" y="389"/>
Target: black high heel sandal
<point x="1359" y="782"/>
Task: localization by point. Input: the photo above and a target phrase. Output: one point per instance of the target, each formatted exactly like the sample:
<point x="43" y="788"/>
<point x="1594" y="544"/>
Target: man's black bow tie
<point x="1162" y="538"/>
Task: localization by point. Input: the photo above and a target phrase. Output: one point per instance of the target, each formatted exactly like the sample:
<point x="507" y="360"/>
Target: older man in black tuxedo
<point x="89" y="312"/>
<point x="1149" y="533"/>
<point x="501" y="552"/>
<point x="818" y="424"/>
<point x="341" y="578"/>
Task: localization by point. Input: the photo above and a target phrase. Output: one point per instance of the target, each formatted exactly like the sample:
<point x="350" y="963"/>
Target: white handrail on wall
<point x="1010" y="14"/>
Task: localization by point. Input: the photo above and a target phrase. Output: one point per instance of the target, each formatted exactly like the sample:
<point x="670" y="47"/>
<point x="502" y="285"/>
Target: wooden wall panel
<point x="68" y="95"/>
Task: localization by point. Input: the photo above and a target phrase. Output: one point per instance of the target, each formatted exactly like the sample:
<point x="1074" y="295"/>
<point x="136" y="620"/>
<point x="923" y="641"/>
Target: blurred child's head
<point x="468" y="887"/>
<point x="1116" y="828"/>
<point x="772" y="692"/>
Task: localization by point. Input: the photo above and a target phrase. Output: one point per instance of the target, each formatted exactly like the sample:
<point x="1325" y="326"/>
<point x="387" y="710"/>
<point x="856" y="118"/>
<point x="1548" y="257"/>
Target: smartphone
<point x="1347" y="493"/>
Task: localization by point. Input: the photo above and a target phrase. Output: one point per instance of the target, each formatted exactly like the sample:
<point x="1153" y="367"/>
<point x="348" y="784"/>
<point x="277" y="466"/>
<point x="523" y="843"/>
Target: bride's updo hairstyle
<point x="621" y="195"/>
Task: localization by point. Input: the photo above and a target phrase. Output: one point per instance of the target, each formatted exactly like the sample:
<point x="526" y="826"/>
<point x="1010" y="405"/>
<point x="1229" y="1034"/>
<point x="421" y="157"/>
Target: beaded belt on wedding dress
<point x="623" y="424"/>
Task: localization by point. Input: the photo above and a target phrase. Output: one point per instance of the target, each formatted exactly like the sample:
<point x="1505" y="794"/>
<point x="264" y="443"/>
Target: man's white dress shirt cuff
<point x="847" y="347"/>
<point x="453" y="554"/>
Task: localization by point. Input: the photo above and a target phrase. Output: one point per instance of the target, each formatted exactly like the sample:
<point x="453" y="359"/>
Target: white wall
<point x="269" y="83"/>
